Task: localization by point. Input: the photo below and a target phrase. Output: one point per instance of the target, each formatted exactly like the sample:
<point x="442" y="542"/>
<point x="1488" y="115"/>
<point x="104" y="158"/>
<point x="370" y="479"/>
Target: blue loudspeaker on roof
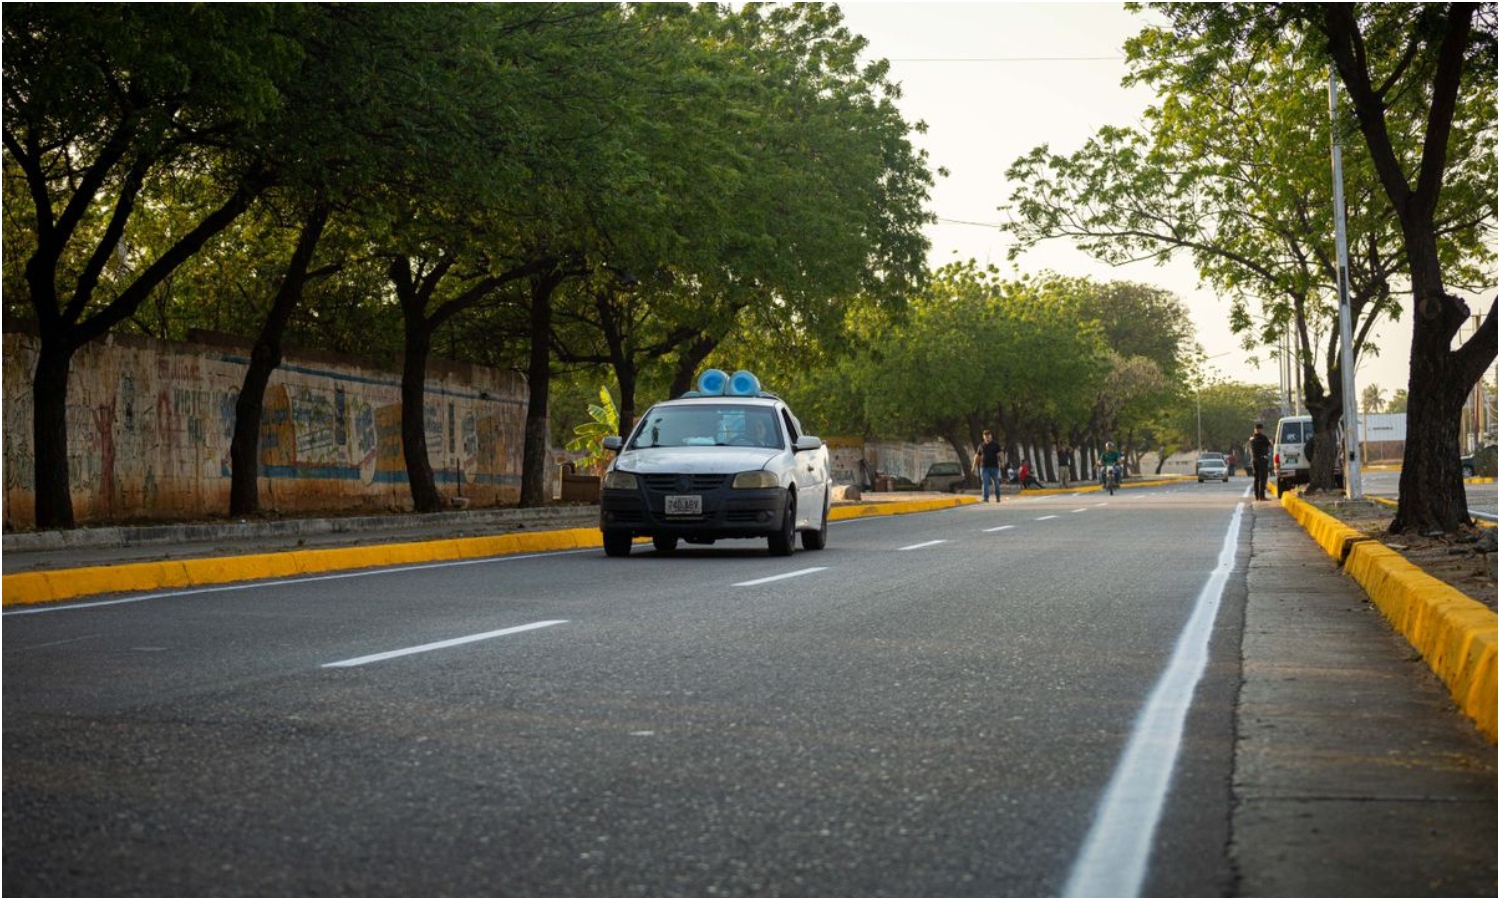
<point x="712" y="383"/>
<point x="743" y="384"/>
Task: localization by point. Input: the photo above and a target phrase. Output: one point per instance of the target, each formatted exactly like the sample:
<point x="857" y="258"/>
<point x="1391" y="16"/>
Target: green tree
<point x="1420" y="79"/>
<point x="1439" y="53"/>
<point x="780" y="184"/>
<point x="1232" y="169"/>
<point x="103" y="101"/>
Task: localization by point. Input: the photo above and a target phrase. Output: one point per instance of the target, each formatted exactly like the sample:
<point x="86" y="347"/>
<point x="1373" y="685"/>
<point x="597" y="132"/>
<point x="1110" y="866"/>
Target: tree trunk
<point x="1432" y="488"/>
<point x="49" y="434"/>
<point x="424" y="493"/>
<point x="688" y="362"/>
<point x="536" y="464"/>
<point x="265" y="357"/>
<point x="1327" y="413"/>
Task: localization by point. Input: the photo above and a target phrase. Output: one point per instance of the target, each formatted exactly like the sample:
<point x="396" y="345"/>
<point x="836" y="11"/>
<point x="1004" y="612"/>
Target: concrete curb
<point x="1455" y="634"/>
<point x="28" y="588"/>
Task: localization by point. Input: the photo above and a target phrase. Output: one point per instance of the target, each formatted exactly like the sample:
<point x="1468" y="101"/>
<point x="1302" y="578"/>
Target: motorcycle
<point x="1111" y="478"/>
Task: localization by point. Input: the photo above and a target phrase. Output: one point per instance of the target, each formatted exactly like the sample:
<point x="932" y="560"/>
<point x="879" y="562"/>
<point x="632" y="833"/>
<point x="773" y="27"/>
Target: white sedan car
<point x="1212" y="465"/>
<point x="701" y="468"/>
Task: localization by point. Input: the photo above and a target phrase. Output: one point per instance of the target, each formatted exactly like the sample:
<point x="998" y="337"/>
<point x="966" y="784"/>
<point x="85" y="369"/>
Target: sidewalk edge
<point x="1455" y="634"/>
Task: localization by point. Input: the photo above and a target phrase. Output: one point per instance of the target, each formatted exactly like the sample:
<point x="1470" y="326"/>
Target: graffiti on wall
<point x="150" y="425"/>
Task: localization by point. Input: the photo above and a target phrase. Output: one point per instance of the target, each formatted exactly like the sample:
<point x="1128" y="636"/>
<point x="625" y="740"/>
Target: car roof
<point x="721" y="400"/>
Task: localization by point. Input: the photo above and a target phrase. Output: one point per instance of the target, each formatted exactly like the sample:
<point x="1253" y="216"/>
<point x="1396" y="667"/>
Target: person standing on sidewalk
<point x="1064" y="464"/>
<point x="988" y="455"/>
<point x="1260" y="453"/>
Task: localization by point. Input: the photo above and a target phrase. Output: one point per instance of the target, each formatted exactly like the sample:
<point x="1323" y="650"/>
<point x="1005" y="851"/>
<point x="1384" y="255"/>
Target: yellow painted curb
<point x="27" y="588"/>
<point x="896" y="507"/>
<point x="1455" y="634"/>
<point x="1332" y="535"/>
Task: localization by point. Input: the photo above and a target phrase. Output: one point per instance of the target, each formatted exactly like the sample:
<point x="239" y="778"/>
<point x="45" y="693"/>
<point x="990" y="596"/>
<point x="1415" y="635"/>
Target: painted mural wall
<point x="150" y="422"/>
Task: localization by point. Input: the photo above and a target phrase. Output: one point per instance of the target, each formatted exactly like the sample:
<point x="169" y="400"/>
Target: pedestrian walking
<point x="987" y="455"/>
<point x="1064" y="464"/>
<point x="1260" y="454"/>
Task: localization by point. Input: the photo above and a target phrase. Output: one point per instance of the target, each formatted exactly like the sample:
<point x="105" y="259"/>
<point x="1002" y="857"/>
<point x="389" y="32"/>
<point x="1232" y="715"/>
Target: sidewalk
<point x="1354" y="773"/>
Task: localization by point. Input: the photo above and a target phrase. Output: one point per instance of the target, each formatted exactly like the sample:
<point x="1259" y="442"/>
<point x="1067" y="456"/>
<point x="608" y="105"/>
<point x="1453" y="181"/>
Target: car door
<point x="810" y="473"/>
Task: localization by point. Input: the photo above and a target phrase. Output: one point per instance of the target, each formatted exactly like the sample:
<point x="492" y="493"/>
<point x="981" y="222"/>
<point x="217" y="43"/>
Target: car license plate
<point x="684" y="505"/>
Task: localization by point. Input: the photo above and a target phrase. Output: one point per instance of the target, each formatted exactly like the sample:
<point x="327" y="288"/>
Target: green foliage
<point x="604" y="421"/>
<point x="1232" y="169"/>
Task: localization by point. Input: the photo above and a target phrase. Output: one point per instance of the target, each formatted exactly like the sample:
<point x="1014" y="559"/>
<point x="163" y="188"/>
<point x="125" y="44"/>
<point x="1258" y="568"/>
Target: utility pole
<point x="1353" y="489"/>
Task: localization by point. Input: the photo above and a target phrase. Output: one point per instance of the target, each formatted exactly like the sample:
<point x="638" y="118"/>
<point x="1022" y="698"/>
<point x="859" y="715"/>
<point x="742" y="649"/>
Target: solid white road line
<point x="1113" y="860"/>
<point x="440" y="645"/>
<point x="782" y="577"/>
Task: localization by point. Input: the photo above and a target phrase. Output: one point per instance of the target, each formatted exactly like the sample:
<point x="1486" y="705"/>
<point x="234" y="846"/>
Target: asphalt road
<point x="935" y="705"/>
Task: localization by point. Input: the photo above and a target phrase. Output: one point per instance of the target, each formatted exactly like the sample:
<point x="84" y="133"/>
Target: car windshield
<point x="944" y="469"/>
<point x="705" y="425"/>
<point x="1211" y="457"/>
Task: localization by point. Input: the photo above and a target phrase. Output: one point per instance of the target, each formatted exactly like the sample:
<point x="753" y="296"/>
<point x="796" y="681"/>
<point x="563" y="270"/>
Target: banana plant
<point x="604" y="420"/>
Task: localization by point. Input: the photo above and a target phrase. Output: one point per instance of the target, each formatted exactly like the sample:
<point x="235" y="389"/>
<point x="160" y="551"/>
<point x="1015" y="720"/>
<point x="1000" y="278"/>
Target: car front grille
<point x="681" y="484"/>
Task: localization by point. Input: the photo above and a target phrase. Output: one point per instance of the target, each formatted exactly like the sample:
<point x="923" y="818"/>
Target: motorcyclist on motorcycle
<point x="1110" y="460"/>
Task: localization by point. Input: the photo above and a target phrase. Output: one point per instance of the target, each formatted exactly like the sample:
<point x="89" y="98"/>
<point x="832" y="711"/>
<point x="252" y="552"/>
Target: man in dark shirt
<point x="989" y="466"/>
<point x="1260" y="452"/>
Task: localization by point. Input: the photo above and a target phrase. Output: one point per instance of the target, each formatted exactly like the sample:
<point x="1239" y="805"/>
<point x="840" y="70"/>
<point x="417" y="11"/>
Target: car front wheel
<point x="616" y="543"/>
<point x="781" y="543"/>
<point x="817" y="540"/>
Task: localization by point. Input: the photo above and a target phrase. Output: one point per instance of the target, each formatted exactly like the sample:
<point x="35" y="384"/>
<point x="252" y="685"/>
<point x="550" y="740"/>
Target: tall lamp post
<point x="1353" y="483"/>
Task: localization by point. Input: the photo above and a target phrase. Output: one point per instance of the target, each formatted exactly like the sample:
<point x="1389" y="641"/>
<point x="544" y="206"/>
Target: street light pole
<point x="1353" y="488"/>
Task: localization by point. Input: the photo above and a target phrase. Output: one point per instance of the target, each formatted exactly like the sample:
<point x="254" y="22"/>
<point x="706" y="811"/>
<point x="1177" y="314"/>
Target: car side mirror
<point x="613" y="443"/>
<point x="808" y="442"/>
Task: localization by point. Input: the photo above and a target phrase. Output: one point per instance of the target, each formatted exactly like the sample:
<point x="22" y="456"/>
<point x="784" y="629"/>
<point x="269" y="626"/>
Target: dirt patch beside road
<point x="1465" y="560"/>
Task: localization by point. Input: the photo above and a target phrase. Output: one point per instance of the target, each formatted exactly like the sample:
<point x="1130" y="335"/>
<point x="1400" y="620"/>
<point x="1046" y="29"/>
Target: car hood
<point x="695" y="460"/>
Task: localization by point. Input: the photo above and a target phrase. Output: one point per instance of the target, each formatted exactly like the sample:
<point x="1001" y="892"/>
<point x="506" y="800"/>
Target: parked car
<point x="1290" y="463"/>
<point x="725" y="461"/>
<point x="943" y="476"/>
<point x="1481" y="462"/>
<point x="1211" y="465"/>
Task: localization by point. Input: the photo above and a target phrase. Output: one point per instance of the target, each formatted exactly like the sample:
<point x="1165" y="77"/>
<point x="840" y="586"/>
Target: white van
<point x="1290" y="460"/>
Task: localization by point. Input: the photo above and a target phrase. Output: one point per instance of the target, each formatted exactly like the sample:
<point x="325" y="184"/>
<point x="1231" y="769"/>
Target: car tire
<point x="664" y="543"/>
<point x="817" y="539"/>
<point x="782" y="542"/>
<point x="616" y="543"/>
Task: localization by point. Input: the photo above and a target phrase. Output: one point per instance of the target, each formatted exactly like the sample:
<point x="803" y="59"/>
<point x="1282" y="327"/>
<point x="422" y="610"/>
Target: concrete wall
<point x="150" y="422"/>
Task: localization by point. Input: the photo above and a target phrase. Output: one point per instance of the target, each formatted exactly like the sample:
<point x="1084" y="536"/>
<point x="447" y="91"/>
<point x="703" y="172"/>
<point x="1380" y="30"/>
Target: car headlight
<point x="760" y="478"/>
<point x="620" y="481"/>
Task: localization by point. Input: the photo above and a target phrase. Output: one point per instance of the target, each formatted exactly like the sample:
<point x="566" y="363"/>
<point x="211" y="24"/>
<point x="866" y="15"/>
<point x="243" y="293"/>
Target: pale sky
<point x="994" y="80"/>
